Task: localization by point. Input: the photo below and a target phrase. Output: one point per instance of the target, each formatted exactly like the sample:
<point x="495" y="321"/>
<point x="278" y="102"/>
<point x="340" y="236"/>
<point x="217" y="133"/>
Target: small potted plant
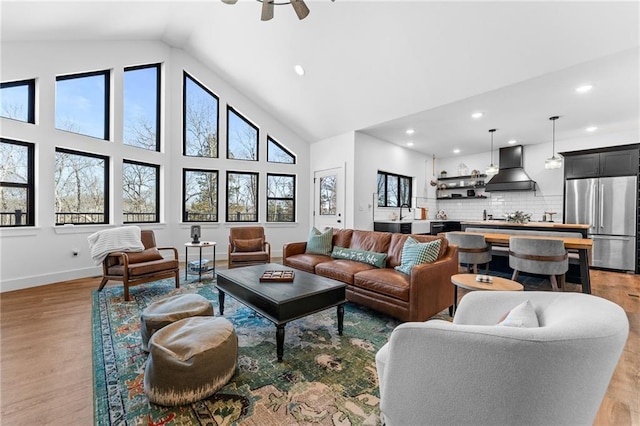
<point x="443" y="174"/>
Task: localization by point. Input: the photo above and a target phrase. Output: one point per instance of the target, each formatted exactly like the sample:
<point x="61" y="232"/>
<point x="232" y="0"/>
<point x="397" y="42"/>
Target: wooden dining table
<point x="582" y="245"/>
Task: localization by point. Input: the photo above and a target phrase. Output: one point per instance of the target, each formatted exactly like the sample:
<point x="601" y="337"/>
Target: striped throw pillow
<point x="415" y="253"/>
<point x="320" y="242"/>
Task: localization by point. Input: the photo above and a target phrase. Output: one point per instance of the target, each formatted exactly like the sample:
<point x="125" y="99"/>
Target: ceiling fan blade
<point x="301" y="9"/>
<point x="267" y="10"/>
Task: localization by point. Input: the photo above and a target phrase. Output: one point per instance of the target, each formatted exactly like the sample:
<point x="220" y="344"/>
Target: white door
<point x="328" y="194"/>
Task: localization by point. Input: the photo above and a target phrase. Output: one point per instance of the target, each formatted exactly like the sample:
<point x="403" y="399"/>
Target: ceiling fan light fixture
<point x="553" y="162"/>
<point x="301" y="9"/>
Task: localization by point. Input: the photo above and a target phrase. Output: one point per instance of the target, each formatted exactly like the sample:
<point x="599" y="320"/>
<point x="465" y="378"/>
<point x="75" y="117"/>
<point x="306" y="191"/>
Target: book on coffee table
<point x="277" y="276"/>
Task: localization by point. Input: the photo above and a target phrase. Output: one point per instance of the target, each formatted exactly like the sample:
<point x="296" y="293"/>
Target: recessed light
<point x="584" y="89"/>
<point x="409" y="143"/>
<point x="299" y="70"/>
<point x="456" y="151"/>
<point x="591" y="129"/>
<point x="477" y="115"/>
<point x="512" y="141"/>
<point x="410" y="131"/>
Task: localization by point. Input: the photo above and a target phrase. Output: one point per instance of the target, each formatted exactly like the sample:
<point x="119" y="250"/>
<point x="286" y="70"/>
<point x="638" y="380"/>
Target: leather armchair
<point x="247" y="246"/>
<point x="133" y="268"/>
<point x="475" y="372"/>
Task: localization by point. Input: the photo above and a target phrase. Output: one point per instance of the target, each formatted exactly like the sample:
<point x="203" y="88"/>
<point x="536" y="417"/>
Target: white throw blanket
<point x="126" y="238"/>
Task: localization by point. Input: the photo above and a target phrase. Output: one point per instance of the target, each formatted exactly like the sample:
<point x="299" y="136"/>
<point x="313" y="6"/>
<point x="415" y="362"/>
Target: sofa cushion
<point x="523" y="316"/>
<point x="250" y="256"/>
<point x="143" y="268"/>
<point x="376" y="259"/>
<point x="319" y="242"/>
<point x="342" y="270"/>
<point x="306" y="261"/>
<point x="415" y="253"/>
<point x="252" y="244"/>
<point x="384" y="281"/>
<point x="342" y="237"/>
<point x="370" y="241"/>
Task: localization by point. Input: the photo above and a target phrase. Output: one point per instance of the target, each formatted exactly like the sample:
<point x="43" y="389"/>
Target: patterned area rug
<point x="324" y="378"/>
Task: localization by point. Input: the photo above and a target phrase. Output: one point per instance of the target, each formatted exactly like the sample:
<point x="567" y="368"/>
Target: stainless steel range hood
<point x="511" y="176"/>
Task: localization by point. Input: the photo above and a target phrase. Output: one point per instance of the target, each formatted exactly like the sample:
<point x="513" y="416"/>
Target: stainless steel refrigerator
<point x="609" y="206"/>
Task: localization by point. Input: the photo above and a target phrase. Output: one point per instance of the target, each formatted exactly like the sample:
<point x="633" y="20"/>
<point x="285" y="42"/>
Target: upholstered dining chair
<point x="539" y="256"/>
<point x="473" y="250"/>
<point x="476" y="371"/>
<point x="247" y="246"/>
<point x="133" y="268"/>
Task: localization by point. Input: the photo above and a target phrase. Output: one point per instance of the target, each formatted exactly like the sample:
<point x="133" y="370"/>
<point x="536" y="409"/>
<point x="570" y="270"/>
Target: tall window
<point x="393" y="190"/>
<point x="17" y="100"/>
<point x="281" y="198"/>
<point x="200" y="119"/>
<point x="82" y="104"/>
<point x="242" y="137"/>
<point x="276" y="153"/>
<point x="81" y="187"/>
<point x="200" y="195"/>
<point x="242" y="197"/>
<point x="17" y="191"/>
<point x="141" y="107"/>
<point x="140" y="192"/>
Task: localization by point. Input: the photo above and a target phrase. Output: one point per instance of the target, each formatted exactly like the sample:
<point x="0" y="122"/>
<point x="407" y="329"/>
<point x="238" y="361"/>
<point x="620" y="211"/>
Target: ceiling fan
<point x="267" y="7"/>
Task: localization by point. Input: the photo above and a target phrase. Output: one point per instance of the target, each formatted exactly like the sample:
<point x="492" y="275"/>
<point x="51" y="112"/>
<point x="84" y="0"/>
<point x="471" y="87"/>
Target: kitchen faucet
<point x="404" y="205"/>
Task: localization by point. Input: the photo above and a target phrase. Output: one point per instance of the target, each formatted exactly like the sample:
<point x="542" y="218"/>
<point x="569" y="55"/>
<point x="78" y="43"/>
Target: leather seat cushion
<point x="250" y="256"/>
<point x="307" y="261"/>
<point x="138" y="269"/>
<point x="342" y="270"/>
<point x="384" y="281"/>
<point x="143" y="256"/>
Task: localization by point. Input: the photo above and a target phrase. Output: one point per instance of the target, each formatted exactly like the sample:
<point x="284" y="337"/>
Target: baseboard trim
<point x="45" y="279"/>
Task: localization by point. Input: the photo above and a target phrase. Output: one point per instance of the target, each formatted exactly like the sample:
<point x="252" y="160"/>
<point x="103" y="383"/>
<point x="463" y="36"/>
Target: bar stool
<point x="539" y="256"/>
<point x="472" y="249"/>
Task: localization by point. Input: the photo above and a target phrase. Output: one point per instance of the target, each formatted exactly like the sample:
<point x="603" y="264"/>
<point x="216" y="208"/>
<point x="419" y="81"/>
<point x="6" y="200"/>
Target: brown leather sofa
<point x="416" y="297"/>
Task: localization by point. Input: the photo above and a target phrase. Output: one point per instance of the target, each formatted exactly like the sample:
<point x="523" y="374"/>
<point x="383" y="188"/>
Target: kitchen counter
<point x="529" y="224"/>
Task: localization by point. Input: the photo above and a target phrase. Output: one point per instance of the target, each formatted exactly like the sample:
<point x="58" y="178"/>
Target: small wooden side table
<point x="468" y="281"/>
<point x="199" y="246"/>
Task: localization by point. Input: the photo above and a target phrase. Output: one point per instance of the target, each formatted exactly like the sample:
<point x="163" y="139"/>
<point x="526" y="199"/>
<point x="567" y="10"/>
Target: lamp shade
<point x="553" y="162"/>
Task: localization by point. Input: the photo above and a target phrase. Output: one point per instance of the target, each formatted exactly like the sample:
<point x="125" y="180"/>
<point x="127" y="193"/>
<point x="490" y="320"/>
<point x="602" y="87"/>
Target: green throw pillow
<point x="320" y="242"/>
<point x="415" y="253"/>
<point x="378" y="260"/>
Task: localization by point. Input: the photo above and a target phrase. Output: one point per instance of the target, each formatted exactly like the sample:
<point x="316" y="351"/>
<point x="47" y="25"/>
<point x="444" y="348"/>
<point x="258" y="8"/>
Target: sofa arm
<point x="291" y="249"/>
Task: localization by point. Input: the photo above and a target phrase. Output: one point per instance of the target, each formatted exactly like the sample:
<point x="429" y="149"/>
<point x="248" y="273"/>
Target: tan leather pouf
<point x="190" y="360"/>
<point x="167" y="311"/>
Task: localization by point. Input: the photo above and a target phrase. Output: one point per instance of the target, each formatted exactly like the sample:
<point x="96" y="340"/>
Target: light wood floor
<point x="46" y="364"/>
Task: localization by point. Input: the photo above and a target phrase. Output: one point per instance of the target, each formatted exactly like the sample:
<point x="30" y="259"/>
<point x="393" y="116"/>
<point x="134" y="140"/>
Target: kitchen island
<point x="533" y="226"/>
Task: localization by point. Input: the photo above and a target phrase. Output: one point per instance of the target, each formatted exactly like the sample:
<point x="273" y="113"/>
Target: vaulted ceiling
<point x="384" y="66"/>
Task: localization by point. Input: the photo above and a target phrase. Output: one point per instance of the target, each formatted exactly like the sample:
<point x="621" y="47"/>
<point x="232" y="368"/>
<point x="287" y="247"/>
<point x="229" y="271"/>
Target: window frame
<point x="185" y="76"/>
<point x="158" y="68"/>
<point x="107" y="100"/>
<point x="184" y="190"/>
<point x="157" y="197"/>
<point x="29" y="186"/>
<point x="293" y="198"/>
<point x="31" y="98"/>
<point x="106" y="187"/>
<point x="247" y="121"/>
<point x="257" y="207"/>
<point x="399" y="177"/>
<point x="270" y="141"/>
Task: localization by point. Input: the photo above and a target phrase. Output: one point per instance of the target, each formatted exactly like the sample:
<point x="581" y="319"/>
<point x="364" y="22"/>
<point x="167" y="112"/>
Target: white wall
<point x="43" y="254"/>
<point x="550" y="183"/>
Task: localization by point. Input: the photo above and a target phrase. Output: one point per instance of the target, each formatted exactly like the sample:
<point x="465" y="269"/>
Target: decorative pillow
<point x="320" y="242"/>
<point x="253" y="244"/>
<point x="378" y="260"/>
<point x="142" y="256"/>
<point x="523" y="315"/>
<point x="415" y="253"/>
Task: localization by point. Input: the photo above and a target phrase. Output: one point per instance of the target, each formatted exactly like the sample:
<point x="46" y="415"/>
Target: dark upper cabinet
<point x="602" y="164"/>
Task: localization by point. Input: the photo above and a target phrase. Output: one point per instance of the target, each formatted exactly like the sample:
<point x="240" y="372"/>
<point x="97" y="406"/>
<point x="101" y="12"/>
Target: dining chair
<point x="473" y="250"/>
<point x="539" y="256"/>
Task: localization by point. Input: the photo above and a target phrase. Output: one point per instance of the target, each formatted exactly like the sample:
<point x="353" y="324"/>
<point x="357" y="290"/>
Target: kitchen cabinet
<point x="445" y="226"/>
<point x="601" y="164"/>
<point x="397" y="227"/>
<point x="457" y="187"/>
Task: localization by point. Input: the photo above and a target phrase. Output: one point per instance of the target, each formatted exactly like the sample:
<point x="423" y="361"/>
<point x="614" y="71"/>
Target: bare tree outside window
<point x="394" y="190"/>
<point x="242" y="197"/>
<point x="200" y="120"/>
<point x="81" y="185"/>
<point x="242" y="137"/>
<point x="328" y="195"/>
<point x="200" y="196"/>
<point x="16" y="183"/>
<point x="140" y="192"/>
<point x="281" y="191"/>
<point x="17" y="100"/>
<point x="276" y="153"/>
<point x="141" y="107"/>
<point x="82" y="104"/>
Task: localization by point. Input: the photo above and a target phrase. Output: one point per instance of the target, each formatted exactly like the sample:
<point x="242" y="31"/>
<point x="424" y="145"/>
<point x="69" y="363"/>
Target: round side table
<point x="468" y="281"/>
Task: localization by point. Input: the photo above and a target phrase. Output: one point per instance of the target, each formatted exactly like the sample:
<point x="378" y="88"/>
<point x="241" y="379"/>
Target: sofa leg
<point x="103" y="283"/>
<point x="126" y="292"/>
<point x="177" y="279"/>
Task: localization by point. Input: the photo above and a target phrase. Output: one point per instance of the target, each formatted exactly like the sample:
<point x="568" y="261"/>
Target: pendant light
<point x="491" y="170"/>
<point x="553" y="162"/>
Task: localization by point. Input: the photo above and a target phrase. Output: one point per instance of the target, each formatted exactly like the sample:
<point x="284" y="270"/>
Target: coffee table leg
<point x="221" y="301"/>
<point x="280" y="341"/>
<point x="455" y="299"/>
<point x="340" y="318"/>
